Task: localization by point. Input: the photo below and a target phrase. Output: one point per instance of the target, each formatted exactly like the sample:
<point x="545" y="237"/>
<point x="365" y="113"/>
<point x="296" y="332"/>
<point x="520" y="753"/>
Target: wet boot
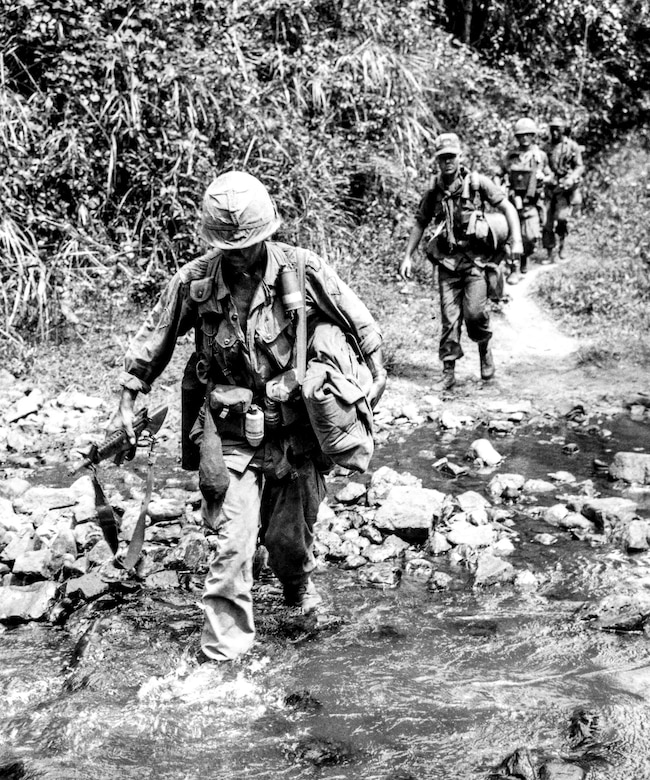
<point x="550" y="257"/>
<point x="523" y="264"/>
<point x="513" y="277"/>
<point x="302" y="594"/>
<point x="448" y="376"/>
<point x="487" y="361"/>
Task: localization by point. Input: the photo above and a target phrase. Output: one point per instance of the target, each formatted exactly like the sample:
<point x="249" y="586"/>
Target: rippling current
<point x="388" y="683"/>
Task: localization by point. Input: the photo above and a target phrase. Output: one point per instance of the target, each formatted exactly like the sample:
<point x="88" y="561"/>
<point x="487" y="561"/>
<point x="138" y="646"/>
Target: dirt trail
<point x="535" y="359"/>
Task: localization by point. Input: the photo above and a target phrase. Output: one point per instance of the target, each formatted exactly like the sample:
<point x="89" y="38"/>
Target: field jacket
<point x="198" y="297"/>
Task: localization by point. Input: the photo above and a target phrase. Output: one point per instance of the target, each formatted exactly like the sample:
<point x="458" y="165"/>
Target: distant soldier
<point x="565" y="160"/>
<point x="526" y="170"/>
<point x="465" y="241"/>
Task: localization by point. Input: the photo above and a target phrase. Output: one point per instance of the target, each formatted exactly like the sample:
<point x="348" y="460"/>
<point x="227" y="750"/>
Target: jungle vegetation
<point x="115" y="115"/>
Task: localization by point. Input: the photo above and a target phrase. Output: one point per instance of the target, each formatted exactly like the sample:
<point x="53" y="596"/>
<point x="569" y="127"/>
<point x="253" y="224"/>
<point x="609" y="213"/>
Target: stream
<point x="389" y="683"/>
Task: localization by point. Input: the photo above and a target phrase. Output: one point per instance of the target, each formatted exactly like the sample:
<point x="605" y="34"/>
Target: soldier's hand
<point x="123" y="417"/>
<point x="405" y="267"/>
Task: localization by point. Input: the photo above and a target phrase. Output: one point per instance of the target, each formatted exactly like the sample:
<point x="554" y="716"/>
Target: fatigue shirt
<point x="197" y="296"/>
<point x="431" y="208"/>
<point x="565" y="157"/>
<point x="532" y="158"/>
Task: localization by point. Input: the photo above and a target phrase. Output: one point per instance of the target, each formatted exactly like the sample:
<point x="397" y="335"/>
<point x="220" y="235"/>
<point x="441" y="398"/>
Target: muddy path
<point x="536" y="359"/>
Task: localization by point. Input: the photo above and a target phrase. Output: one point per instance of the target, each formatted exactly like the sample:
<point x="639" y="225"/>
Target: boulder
<point x="351" y="493"/>
<point x="538" y="486"/>
<point x="482" y="450"/>
<point x="17" y="545"/>
<point x="492" y="570"/>
<point x="611" y="515"/>
<point x="384" y="479"/>
<point x="391" y="547"/>
<point x="40" y="564"/>
<point x="40" y="499"/>
<point x="631" y="467"/>
<point x="470" y="500"/>
<point x="13" y="487"/>
<point x="462" y="532"/>
<point x="506" y="485"/>
<point x="164" y="509"/>
<point x="561" y="770"/>
<point x="87" y="587"/>
<point x="555" y="514"/>
<point x="408" y="511"/>
<point x="635" y="536"/>
<point x="29" y="602"/>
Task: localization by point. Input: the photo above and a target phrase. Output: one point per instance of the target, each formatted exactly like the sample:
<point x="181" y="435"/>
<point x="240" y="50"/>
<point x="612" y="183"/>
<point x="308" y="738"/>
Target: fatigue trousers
<point x="531" y="218"/>
<point x="557" y="222"/>
<point x="463" y="297"/>
<point x="286" y="510"/>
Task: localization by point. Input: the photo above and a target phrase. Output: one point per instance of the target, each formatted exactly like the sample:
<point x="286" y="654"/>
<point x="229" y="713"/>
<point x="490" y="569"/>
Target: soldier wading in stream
<point x="250" y="471"/>
<point x="465" y="240"/>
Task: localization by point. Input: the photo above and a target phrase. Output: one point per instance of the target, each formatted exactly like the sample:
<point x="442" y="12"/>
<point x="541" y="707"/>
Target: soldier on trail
<point x="565" y="161"/>
<point x="525" y="171"/>
<point x="466" y="240"/>
<point x="261" y="460"/>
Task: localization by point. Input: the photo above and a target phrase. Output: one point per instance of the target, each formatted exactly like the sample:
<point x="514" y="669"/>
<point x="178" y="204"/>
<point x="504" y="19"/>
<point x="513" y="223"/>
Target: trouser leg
<point x="475" y="306"/>
<point x="450" y="287"/>
<point x="228" y="629"/>
<point x="548" y="234"/>
<point x="289" y="511"/>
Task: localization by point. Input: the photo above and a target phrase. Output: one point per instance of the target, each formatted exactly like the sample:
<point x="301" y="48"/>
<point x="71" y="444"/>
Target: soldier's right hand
<point x="405" y="267"/>
<point x="123" y="417"/>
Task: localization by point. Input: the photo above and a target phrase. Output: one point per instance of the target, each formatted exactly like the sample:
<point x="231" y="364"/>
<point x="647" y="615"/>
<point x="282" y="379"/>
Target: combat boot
<point x="514" y="277"/>
<point x="448" y="375"/>
<point x="487" y="361"/>
<point x="523" y="264"/>
<point x="550" y="257"/>
<point x="302" y="594"/>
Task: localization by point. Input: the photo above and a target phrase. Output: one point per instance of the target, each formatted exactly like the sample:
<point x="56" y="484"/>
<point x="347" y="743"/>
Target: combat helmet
<point x="525" y="125"/>
<point x="237" y="211"/>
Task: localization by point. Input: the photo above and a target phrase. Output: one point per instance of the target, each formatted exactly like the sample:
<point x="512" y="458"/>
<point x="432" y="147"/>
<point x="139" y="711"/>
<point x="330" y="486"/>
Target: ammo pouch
<point x="229" y="405"/>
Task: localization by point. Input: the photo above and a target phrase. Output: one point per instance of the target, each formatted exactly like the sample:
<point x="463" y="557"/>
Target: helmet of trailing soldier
<point x="237" y="212"/>
<point x="525" y="131"/>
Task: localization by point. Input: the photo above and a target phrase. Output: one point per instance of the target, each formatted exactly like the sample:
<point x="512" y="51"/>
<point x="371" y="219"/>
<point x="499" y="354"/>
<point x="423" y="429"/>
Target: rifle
<point x="117" y="445"/>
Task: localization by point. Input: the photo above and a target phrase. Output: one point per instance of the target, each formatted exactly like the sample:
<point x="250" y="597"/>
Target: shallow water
<point x="402" y="682"/>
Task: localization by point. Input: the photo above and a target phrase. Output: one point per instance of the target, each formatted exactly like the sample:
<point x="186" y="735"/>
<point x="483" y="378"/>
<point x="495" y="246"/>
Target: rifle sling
<point x="105" y="515"/>
<point x="137" y="540"/>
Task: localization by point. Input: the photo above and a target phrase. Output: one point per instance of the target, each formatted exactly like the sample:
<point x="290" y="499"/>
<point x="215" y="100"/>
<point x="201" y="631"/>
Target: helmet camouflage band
<point x="447" y="143"/>
<point x="237" y="212"/>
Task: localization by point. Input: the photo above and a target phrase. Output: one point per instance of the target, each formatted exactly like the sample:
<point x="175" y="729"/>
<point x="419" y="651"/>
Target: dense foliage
<point x="115" y="115"/>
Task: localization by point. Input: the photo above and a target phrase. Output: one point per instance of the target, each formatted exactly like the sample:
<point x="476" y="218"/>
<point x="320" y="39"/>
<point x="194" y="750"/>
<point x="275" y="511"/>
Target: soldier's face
<point x="525" y="140"/>
<point x="556" y="133"/>
<point x="244" y="258"/>
<point x="448" y="164"/>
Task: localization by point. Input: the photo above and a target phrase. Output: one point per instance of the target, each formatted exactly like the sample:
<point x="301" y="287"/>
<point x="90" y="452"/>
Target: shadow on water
<point x="389" y="683"/>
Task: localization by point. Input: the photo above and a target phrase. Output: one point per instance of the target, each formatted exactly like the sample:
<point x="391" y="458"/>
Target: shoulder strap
<point x="301" y="323"/>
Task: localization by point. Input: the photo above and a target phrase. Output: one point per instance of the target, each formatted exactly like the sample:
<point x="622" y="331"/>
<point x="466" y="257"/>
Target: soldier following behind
<point x="564" y="195"/>
<point x="465" y="241"/>
<point x="525" y="172"/>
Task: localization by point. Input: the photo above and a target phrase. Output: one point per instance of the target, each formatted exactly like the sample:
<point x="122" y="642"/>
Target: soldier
<point x="565" y="161"/>
<point x="464" y="242"/>
<point x="233" y="297"/>
<point x="526" y="170"/>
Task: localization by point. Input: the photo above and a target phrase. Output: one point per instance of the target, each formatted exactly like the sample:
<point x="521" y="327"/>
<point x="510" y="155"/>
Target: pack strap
<point x="301" y="323"/>
<point x="105" y="514"/>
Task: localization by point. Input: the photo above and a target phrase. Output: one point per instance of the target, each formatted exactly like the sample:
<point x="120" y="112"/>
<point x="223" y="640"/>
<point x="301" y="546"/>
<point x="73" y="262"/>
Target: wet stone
<point x="89" y="586"/>
<point x="493" y="571"/>
<point x="538" y="486"/>
<point x="381" y="575"/>
<point x="302" y="700"/>
<point x="322" y="751"/>
<point x="437" y="543"/>
<point x="40" y="564"/>
<point x="506" y="485"/>
<point x="610" y="514"/>
<point x="384" y="479"/>
<point x="439" y="580"/>
<point x="636" y="535"/>
<point x="483" y="450"/>
<point x="561" y="770"/>
<point x="28" y="602"/>
<point x="351" y="493"/>
<point x="408" y="511"/>
<point x="633" y="467"/>
<point x="162" y="579"/>
<point x="391" y="547"/>
<point x="462" y="532"/>
<point x="13" y="487"/>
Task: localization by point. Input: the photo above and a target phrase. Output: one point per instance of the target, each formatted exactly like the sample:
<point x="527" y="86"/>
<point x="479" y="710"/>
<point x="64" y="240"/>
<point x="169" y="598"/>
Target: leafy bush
<point x="115" y="116"/>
